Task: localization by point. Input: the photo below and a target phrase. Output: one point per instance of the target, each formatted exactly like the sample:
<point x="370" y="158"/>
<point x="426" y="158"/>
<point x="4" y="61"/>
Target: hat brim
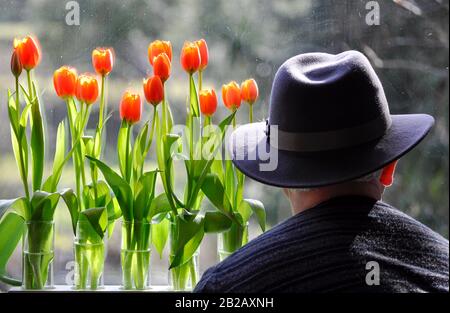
<point x="316" y="169"/>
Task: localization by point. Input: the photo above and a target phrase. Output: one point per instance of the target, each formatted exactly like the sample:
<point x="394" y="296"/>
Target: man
<point x="336" y="146"/>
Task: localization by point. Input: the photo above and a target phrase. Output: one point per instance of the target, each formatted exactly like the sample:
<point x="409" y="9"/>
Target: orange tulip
<point x="154" y="90"/>
<point x="87" y="88"/>
<point x="204" y="54"/>
<point x="231" y="95"/>
<point x="157" y="47"/>
<point x="16" y="65"/>
<point x="162" y="66"/>
<point x="103" y="60"/>
<point x="249" y="91"/>
<point x="208" y="101"/>
<point x="65" y="82"/>
<point x="29" y="52"/>
<point x="190" y="57"/>
<point x="130" y="107"/>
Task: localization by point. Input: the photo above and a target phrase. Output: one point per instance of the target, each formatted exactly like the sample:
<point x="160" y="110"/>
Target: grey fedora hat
<point x="329" y="122"/>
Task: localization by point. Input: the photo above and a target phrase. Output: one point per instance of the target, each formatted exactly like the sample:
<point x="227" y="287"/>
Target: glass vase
<point x="38" y="253"/>
<point x="231" y="240"/>
<point x="135" y="255"/>
<point x="185" y="276"/>
<point x="90" y="255"/>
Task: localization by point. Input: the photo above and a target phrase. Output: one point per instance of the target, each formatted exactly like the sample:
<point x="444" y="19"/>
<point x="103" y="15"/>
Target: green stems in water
<point x="37" y="253"/>
<point x="135" y="254"/>
<point x="185" y="276"/>
<point x="89" y="260"/>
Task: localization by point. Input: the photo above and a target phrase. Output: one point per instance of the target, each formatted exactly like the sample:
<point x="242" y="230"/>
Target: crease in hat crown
<point x="317" y="93"/>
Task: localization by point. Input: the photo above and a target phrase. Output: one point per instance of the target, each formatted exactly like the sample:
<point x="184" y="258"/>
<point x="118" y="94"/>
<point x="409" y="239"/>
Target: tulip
<point x="208" y="102"/>
<point x="157" y="47"/>
<point x="190" y="57"/>
<point x="87" y="88"/>
<point x="16" y="65"/>
<point x="65" y="82"/>
<point x="231" y="95"/>
<point x="29" y="52"/>
<point x="204" y="54"/>
<point x="154" y="90"/>
<point x="130" y="107"/>
<point x="103" y="60"/>
<point x="162" y="66"/>
<point x="387" y="174"/>
<point x="249" y="91"/>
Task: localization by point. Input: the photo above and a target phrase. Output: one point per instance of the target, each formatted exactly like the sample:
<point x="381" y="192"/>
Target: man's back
<point x="327" y="248"/>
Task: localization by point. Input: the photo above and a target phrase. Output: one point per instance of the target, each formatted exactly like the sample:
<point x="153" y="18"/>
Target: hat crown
<point x="319" y="92"/>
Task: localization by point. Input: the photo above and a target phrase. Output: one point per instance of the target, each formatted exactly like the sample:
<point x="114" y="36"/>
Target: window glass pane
<point x="407" y="44"/>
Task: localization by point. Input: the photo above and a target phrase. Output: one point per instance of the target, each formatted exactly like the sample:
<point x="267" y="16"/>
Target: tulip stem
<point x="73" y="135"/>
<point x="251" y="113"/>
<point x="102" y="103"/>
<point x="19" y="143"/>
<point x="152" y="130"/>
<point x="200" y="80"/>
<point x="127" y="152"/>
<point x="17" y="99"/>
<point x="30" y="89"/>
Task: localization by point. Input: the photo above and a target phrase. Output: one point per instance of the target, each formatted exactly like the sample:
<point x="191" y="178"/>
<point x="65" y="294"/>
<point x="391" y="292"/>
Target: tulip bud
<point x="28" y="51"/>
<point x="249" y="91"/>
<point x="16" y="65"/>
<point x="87" y="88"/>
<point x="162" y="66"/>
<point x="190" y="57"/>
<point x="65" y="82"/>
<point x="130" y="107"/>
<point x="154" y="90"/>
<point x="208" y="102"/>
<point x="103" y="60"/>
<point x="231" y="95"/>
<point x="204" y="54"/>
<point x="157" y="47"/>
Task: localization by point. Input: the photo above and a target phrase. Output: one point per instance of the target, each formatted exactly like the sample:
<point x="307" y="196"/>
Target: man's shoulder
<point x="327" y="247"/>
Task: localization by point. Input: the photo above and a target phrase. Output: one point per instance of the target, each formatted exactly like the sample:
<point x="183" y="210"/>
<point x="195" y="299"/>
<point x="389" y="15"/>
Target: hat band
<point x="329" y="140"/>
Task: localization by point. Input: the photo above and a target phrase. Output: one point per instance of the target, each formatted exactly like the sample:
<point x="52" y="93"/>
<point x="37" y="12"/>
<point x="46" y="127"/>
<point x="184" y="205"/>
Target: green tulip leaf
<point x="12" y="227"/>
<point x="257" y="207"/>
<point x="216" y="222"/>
<point x="160" y="232"/>
<point x="119" y="186"/>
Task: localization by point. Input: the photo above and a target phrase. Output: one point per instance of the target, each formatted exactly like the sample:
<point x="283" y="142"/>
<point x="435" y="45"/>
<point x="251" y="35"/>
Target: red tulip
<point x="208" y="101"/>
<point x="65" y="82"/>
<point x="387" y="174"/>
<point x="16" y="65"/>
<point x="231" y="95"/>
<point x="87" y="88"/>
<point x="249" y="91"/>
<point x="103" y="60"/>
<point x="154" y="90"/>
<point x="204" y="54"/>
<point x="157" y="47"/>
<point x="162" y="66"/>
<point x="190" y="57"/>
<point x="29" y="52"/>
<point x="130" y="107"/>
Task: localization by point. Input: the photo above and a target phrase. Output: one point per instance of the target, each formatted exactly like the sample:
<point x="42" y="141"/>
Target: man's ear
<point x="387" y="174"/>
